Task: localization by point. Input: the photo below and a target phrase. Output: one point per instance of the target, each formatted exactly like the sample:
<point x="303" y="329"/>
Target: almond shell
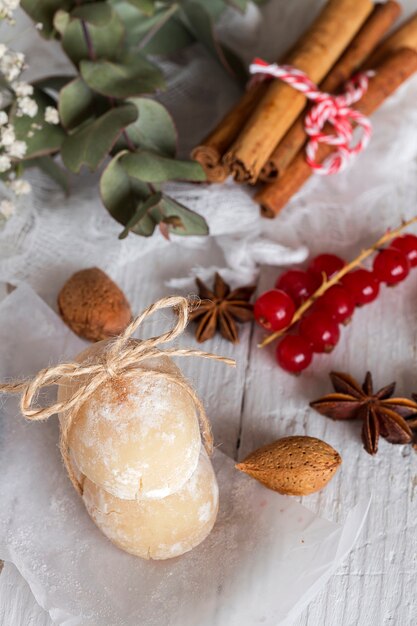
<point x="295" y="466"/>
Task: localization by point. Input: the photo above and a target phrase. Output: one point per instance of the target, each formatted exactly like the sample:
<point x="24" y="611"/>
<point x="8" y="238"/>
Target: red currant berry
<point x="338" y="302"/>
<point x="294" y="354"/>
<point x="274" y="310"/>
<point x="363" y="285"/>
<point x="327" y="264"/>
<point x="320" y="330"/>
<point x="298" y="284"/>
<point x="391" y="266"/>
<point x="408" y="245"/>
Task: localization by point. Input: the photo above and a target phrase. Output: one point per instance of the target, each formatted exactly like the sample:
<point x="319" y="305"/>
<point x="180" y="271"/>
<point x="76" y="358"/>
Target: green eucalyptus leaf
<point x="156" y="23"/>
<point x="120" y="193"/>
<point x="154" y="129"/>
<point x="54" y="83"/>
<point x="132" y="76"/>
<point x="43" y="11"/>
<point x="61" y="21"/>
<point x="90" y="145"/>
<point x="240" y="5"/>
<point x="74" y="104"/>
<point x="142" y="221"/>
<point x="170" y="215"/>
<point x="145" y="6"/>
<point x="96" y="13"/>
<point x="153" y="168"/>
<point x="103" y="41"/>
<point x="172" y="36"/>
<point x="181" y="220"/>
<point x="140" y="208"/>
<point x="214" y="7"/>
<point x="52" y="169"/>
<point x="40" y="137"/>
<point x="161" y="33"/>
<point x="200" y="22"/>
<point x="78" y="103"/>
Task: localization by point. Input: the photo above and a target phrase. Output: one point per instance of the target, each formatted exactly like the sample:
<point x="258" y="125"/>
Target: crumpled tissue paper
<point x="265" y="559"/>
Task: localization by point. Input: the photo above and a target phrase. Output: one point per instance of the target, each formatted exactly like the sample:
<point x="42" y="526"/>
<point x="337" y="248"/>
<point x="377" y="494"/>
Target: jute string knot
<point x="328" y="108"/>
<point x="123" y="357"/>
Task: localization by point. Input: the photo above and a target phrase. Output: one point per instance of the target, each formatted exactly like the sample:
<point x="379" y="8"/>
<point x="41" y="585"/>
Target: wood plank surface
<point x="257" y="403"/>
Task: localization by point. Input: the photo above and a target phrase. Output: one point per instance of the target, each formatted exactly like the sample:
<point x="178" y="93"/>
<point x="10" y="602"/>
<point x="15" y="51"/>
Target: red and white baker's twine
<point x="327" y="108"/>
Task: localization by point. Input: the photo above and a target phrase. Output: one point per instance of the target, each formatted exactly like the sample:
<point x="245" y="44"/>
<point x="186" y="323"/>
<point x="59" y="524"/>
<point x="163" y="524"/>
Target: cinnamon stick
<point x="403" y="37"/>
<point x="211" y="150"/>
<point x="375" y="27"/>
<point x="390" y="74"/>
<point x="314" y="54"/>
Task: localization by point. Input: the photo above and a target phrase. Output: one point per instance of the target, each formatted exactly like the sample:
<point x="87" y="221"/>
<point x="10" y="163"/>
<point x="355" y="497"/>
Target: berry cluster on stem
<point x="324" y="296"/>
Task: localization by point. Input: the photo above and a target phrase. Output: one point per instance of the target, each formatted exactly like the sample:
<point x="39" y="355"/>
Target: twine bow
<point x="335" y="110"/>
<point x="122" y="357"/>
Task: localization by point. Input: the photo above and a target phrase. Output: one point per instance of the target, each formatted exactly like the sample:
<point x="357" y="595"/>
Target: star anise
<point x="381" y="414"/>
<point x="221" y="308"/>
<point x="412" y="423"/>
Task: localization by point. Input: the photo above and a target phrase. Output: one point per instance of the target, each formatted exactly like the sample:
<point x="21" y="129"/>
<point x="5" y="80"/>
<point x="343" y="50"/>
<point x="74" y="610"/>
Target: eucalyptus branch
<point x="106" y="111"/>
<point x="92" y="55"/>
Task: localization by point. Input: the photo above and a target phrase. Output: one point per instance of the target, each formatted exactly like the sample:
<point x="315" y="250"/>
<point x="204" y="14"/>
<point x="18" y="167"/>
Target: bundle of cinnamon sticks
<point x="262" y="139"/>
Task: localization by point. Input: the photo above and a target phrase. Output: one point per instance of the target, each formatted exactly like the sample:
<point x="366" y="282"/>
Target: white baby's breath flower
<point x="3" y="50"/>
<point x="51" y="115"/>
<point x="4" y="118"/>
<point x="20" y="187"/>
<point x="17" y="149"/>
<point x="7" y="136"/>
<point x="5" y="163"/>
<point x="22" y="89"/>
<point x="11" y="64"/>
<point x="27" y="106"/>
<point x="7" y="208"/>
<point x="39" y="26"/>
<point x="7" y="7"/>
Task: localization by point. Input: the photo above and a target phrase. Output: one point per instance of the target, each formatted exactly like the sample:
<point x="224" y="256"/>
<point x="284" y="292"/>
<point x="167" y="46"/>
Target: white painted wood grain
<point x="17" y="604"/>
<point x="375" y="586"/>
<point x="220" y="387"/>
<point x="257" y="403"/>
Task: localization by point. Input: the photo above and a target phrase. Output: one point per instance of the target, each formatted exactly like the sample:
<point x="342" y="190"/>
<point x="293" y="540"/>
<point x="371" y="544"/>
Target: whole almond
<point x="93" y="306"/>
<point x="295" y="466"/>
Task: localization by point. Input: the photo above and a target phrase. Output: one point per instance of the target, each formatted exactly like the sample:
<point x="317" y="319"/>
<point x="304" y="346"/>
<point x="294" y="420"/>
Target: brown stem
<point x="390" y="234"/>
<point x="128" y="141"/>
<point x="125" y="136"/>
<point x="88" y="41"/>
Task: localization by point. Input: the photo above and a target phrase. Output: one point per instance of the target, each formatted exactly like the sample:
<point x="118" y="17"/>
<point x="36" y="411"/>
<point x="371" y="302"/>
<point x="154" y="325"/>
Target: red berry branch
<point x="325" y="295"/>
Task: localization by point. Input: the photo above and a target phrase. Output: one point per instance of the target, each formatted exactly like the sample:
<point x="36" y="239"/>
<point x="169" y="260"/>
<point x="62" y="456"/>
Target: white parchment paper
<point x="79" y="577"/>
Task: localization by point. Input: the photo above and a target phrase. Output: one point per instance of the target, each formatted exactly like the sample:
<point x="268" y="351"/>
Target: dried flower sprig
<point x="327" y="283"/>
<point x="16" y="94"/>
<point x="7" y="9"/>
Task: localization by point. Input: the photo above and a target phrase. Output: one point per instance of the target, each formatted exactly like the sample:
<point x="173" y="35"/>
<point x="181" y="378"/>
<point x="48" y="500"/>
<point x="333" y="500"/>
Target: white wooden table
<point x="257" y="403"/>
